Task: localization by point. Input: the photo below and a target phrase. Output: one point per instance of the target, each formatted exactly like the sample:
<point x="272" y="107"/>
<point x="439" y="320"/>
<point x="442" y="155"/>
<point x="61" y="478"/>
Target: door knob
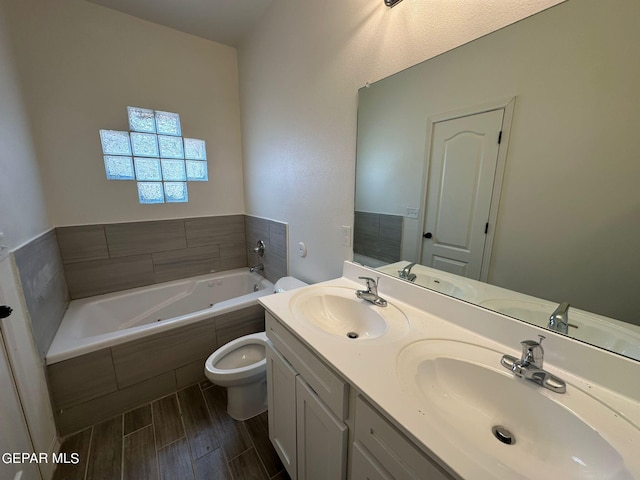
<point x="427" y="235"/>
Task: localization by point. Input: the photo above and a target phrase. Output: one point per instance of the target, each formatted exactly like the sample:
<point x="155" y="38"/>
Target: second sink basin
<point x="510" y="424"/>
<point x="338" y="312"/>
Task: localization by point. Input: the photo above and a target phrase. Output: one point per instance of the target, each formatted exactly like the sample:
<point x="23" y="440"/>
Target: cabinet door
<point x="281" y="398"/>
<point x="322" y="438"/>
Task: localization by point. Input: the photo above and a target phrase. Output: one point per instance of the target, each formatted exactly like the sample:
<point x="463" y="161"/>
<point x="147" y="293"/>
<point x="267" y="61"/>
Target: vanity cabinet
<point x="307" y="408"/>
<point x="308" y="416"/>
<point x="382" y="452"/>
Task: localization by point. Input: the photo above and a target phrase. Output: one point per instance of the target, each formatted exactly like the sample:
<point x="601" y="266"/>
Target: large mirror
<point x="552" y="202"/>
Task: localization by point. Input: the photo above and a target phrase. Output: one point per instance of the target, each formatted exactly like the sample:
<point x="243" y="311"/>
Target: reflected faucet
<point x="371" y="293"/>
<point x="406" y="273"/>
<point x="529" y="366"/>
<point x="559" y="319"/>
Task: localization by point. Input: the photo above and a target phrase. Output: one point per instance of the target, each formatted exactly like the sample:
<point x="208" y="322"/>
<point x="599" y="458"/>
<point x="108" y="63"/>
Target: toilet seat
<point x="248" y="353"/>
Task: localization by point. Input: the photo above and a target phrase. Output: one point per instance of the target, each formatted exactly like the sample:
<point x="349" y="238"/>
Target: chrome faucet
<point x="406" y="272"/>
<point x="529" y="366"/>
<point x="559" y="319"/>
<point x="371" y="293"/>
<point x="257" y="268"/>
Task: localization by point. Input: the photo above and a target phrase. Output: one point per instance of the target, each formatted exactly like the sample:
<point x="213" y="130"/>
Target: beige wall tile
<point x="215" y="230"/>
<point x="186" y="262"/>
<point x="82" y="243"/>
<point x="80" y="416"/>
<point x="232" y="325"/>
<point x="81" y="379"/>
<point x="143" y="358"/>
<point x="125" y="239"/>
<point x="102" y="276"/>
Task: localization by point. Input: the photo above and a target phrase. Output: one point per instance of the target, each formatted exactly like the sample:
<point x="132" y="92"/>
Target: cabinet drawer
<point x="364" y="467"/>
<point x="328" y="385"/>
<point x="391" y="448"/>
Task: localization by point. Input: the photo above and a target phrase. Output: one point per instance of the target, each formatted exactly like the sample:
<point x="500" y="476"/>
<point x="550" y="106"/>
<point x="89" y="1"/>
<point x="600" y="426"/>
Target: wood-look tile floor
<point x="184" y="436"/>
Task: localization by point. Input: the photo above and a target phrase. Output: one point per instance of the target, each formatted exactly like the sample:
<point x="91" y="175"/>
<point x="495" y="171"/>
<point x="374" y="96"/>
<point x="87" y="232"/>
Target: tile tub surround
<point x="107" y="258"/>
<point x="378" y="236"/>
<point x="96" y="386"/>
<point x="274" y="236"/>
<point x="44" y="287"/>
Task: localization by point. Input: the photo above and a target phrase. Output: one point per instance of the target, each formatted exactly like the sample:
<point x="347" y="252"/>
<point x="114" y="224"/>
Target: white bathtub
<point x="106" y="320"/>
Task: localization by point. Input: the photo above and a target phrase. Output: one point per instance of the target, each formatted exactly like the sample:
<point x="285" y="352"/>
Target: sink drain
<point x="352" y="335"/>
<point x="503" y="435"/>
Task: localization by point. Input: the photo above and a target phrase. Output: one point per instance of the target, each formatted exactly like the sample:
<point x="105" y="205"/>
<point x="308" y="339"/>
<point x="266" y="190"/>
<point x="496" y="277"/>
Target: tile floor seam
<point x="186" y="435"/>
<point x="122" y="449"/>
<point x="86" y="467"/>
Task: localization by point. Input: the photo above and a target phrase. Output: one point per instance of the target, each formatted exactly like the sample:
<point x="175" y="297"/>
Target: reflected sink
<point x="585" y="326"/>
<point x="338" y="312"/>
<point x="465" y="393"/>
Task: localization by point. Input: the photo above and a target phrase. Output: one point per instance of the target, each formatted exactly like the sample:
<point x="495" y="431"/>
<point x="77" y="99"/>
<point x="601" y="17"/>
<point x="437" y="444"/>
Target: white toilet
<point x="241" y="366"/>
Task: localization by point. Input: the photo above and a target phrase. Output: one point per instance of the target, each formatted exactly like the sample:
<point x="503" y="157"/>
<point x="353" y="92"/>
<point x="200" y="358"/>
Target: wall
<point x="81" y="65"/>
<point x="299" y="75"/>
<point x="22" y="218"/>
<point x="570" y="200"/>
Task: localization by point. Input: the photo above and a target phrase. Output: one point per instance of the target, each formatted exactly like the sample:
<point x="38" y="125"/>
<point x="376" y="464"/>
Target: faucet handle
<point x="532" y="352"/>
<point x="372" y="285"/>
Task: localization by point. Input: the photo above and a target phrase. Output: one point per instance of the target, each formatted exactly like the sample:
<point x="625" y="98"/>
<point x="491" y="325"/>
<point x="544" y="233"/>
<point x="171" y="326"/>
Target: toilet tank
<point x="288" y="283"/>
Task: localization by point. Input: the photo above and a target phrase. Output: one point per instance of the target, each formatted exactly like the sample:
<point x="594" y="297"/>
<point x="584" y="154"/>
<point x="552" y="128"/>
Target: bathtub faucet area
<point x="257" y="268"/>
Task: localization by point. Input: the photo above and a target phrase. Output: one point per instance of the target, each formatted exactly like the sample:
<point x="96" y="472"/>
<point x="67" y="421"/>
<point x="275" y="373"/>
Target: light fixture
<point x="391" y="3"/>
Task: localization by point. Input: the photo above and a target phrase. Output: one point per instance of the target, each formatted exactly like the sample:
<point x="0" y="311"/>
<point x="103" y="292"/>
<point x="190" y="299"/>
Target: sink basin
<point x="433" y="279"/>
<point x="511" y="425"/>
<point x="338" y="312"/>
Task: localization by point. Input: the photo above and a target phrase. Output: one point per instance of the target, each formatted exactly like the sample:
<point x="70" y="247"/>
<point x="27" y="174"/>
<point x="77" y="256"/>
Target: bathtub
<point x="93" y="323"/>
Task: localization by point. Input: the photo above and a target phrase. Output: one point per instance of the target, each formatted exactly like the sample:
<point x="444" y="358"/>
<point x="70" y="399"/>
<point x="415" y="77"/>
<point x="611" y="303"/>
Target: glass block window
<point x="194" y="149"/>
<point x="150" y="192"/>
<point x="148" y="169"/>
<point x="144" y="144"/>
<point x="115" y="143"/>
<point x="170" y="147"/>
<point x="119" y="168"/>
<point x="168" y="123"/>
<point x="176" y="192"/>
<point x="153" y="152"/>
<point x="141" y="120"/>
<point x="173" y="170"/>
<point x="197" y="171"/>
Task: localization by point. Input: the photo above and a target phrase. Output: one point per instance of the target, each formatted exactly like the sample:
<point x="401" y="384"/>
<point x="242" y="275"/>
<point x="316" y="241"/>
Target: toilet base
<point x="247" y="401"/>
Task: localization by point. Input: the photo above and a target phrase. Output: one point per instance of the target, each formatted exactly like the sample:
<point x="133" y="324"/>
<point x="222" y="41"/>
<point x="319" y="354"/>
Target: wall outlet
<point x="412" y="212"/>
<point x="346" y="235"/>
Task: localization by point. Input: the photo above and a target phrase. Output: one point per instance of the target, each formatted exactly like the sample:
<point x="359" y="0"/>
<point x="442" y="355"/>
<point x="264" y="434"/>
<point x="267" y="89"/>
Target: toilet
<point x="241" y="367"/>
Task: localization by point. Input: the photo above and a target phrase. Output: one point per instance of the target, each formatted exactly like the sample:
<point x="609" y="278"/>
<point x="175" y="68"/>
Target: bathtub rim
<point x="60" y="350"/>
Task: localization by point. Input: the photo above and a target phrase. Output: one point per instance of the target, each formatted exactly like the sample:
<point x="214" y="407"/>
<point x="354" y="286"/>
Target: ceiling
<point x="222" y="21"/>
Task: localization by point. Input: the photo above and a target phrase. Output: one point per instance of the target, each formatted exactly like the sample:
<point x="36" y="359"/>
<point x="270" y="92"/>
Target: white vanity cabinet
<point x="307" y="408"/>
<point x="382" y="452"/>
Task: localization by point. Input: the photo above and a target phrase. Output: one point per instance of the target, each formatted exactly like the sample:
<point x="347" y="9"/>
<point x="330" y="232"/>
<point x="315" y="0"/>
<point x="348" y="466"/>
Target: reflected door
<point x="462" y="168"/>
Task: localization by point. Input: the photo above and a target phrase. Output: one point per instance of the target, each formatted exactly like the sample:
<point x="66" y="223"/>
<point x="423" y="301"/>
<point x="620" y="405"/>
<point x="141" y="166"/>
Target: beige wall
<point x="22" y="207"/>
<point x="569" y="215"/>
<point x="81" y="65"/>
<point x="299" y="76"/>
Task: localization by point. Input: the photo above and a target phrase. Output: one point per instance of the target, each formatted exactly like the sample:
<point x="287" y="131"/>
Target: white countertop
<point x="371" y="366"/>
